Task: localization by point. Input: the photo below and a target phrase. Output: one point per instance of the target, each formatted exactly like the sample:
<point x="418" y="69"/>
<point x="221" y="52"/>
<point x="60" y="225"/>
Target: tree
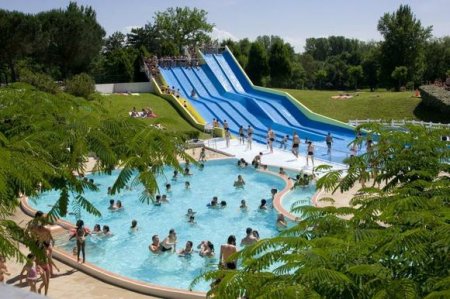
<point x="45" y="140"/>
<point x="355" y="74"/>
<point x="400" y="74"/>
<point x="404" y="42"/>
<point x="371" y="66"/>
<point x="393" y="245"/>
<point x="257" y="66"/>
<point x="437" y="57"/>
<point x="81" y="85"/>
<point x="20" y="36"/>
<point x="115" y="41"/>
<point x="321" y="75"/>
<point x="280" y="57"/>
<point x="183" y="26"/>
<point x="72" y="39"/>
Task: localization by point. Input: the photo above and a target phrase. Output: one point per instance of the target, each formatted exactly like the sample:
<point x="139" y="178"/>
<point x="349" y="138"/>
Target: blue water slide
<point x="338" y="131"/>
<point x="281" y="119"/>
<point x="207" y="106"/>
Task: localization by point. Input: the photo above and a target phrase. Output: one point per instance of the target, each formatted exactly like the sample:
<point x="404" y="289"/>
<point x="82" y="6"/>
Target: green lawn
<point x="167" y="115"/>
<point x="366" y="104"/>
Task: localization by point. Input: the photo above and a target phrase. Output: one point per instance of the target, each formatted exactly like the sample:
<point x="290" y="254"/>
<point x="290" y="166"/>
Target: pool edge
<point x="107" y="276"/>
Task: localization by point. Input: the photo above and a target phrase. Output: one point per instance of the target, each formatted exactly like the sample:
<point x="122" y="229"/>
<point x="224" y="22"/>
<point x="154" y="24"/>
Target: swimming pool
<point x="301" y="196"/>
<point x="127" y="254"/>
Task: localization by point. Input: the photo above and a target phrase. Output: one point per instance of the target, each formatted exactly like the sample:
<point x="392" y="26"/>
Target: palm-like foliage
<point x="395" y="245"/>
<point x="45" y="141"/>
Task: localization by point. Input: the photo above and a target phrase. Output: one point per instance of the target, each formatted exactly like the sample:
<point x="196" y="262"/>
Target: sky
<point x="293" y="20"/>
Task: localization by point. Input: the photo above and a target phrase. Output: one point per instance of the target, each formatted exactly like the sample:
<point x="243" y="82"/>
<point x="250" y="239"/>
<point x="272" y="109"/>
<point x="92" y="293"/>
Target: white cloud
<point x="222" y="34"/>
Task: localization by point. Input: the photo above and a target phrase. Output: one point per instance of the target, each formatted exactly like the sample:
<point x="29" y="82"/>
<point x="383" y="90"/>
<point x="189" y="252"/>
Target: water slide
<point x="224" y="92"/>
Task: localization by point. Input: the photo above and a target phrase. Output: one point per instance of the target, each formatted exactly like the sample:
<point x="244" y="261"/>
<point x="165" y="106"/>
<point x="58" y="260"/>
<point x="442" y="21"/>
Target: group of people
<point x="171" y="91"/>
<point x="144" y="113"/>
<point x="40" y="266"/>
<point x="205" y="248"/>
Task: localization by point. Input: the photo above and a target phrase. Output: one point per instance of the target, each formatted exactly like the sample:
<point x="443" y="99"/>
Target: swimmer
<point x="112" y="206"/>
<point x="155" y="247"/>
<point x="214" y="203"/>
<point x="106" y="231"/>
<point x="133" y="226"/>
<point x="201" y="166"/>
<point x="243" y="205"/>
<point x="164" y="198"/>
<point x="223" y="204"/>
<point x="206" y="249"/>
<point x="226" y="250"/>
<point x="80" y="233"/>
<point x="157" y="200"/>
<point x="187" y="251"/>
<point x="187" y="171"/>
<point x="256" y="162"/>
<point x="192" y="219"/>
<point x="239" y="183"/>
<point x="175" y="175"/>
<point x="281" y="222"/>
<point x="190" y="213"/>
<point x="187" y="185"/>
<point x="97" y="229"/>
<point x="282" y="172"/>
<point x="273" y="192"/>
<point x="263" y="205"/>
<point x="170" y="242"/>
<point x="256" y="234"/>
<point x="249" y="239"/>
<point x="168" y="188"/>
<point x="119" y="205"/>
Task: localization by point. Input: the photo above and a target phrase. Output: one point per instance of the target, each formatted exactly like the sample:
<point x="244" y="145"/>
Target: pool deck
<point x="279" y="157"/>
<point x="72" y="283"/>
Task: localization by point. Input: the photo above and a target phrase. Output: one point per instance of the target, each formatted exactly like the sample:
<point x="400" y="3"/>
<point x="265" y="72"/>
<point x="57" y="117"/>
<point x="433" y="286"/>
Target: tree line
<point x="65" y="42"/>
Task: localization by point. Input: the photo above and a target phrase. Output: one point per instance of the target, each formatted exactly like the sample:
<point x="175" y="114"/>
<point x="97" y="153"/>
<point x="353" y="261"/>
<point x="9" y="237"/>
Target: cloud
<point x="222" y="34"/>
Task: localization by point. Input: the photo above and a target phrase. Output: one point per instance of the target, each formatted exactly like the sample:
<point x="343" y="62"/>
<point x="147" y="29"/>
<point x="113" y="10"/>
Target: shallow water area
<point x="300" y="196"/>
<point x="126" y="253"/>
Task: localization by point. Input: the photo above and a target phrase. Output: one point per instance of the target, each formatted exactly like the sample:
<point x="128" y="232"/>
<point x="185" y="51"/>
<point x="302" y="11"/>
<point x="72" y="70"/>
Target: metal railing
<point x="397" y="123"/>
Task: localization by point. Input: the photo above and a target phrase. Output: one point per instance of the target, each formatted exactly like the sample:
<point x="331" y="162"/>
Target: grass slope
<point x="167" y="115"/>
<point x="375" y="105"/>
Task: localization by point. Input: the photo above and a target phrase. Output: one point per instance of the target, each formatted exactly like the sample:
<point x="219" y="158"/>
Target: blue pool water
<point x="127" y="253"/>
<point x="300" y="196"/>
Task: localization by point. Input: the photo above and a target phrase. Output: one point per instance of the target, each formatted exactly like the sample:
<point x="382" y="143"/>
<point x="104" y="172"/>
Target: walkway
<point x="279" y="157"/>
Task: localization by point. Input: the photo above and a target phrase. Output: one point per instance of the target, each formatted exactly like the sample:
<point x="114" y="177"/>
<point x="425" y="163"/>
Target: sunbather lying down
<point x="158" y="126"/>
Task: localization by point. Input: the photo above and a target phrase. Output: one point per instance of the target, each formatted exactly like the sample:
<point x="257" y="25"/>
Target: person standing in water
<point x="226" y="250"/>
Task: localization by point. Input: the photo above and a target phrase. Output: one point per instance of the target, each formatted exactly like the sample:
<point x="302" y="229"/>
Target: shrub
<point x="437" y="97"/>
<point x="81" y="85"/>
<point x="41" y="81"/>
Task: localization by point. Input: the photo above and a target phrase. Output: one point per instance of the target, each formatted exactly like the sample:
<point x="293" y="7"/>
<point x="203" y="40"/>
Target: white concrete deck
<point x="279" y="157"/>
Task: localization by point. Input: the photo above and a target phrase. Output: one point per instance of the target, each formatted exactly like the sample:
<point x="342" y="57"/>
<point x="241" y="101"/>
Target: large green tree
<point x="45" y="140"/>
<point x="437" y="57"/>
<point x="183" y="26"/>
<point x="281" y="56"/>
<point x="404" y="42"/>
<point x="72" y="39"/>
<point x="19" y="37"/>
<point x="391" y="242"/>
<point x="257" y="66"/>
